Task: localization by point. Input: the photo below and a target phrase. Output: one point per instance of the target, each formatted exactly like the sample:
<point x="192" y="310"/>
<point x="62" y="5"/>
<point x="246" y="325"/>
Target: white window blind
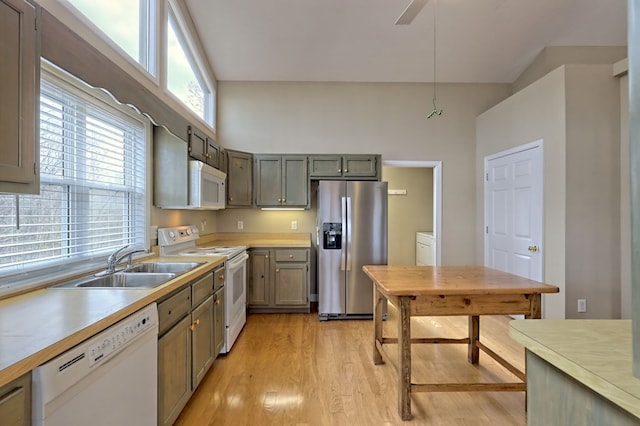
<point x="92" y="195"/>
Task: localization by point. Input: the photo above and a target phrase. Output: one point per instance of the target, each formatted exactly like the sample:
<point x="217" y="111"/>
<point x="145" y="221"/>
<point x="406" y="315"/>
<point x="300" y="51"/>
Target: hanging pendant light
<point x="435" y="111"/>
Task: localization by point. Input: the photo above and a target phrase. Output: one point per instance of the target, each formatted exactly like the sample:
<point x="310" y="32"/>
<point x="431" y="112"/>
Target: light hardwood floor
<point x="291" y="369"/>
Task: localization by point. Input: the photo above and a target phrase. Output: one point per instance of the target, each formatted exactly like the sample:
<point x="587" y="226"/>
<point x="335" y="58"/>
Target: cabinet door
<point x="174" y="371"/>
<point x="295" y="181"/>
<point x="360" y="166"/>
<point x="218" y="321"/>
<point x="15" y="402"/>
<point x="213" y="154"/>
<point x="197" y="145"/>
<point x="202" y="340"/>
<point x="268" y="180"/>
<point x="259" y="277"/>
<point x="291" y="284"/>
<point x="239" y="176"/>
<point x="321" y="166"/>
<point x="19" y="86"/>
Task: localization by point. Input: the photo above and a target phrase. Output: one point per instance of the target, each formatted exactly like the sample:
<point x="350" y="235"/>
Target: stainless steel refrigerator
<point x="352" y="232"/>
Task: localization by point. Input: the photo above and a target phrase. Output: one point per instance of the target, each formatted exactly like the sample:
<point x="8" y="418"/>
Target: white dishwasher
<point x="109" y="379"/>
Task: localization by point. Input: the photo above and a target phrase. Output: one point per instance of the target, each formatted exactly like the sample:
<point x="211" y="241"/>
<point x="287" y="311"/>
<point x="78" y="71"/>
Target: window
<point x="184" y="77"/>
<point x="127" y="23"/>
<point x="93" y="185"/>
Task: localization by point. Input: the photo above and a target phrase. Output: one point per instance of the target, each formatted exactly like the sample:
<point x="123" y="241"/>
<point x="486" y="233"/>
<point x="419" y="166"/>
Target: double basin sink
<point x="140" y="275"/>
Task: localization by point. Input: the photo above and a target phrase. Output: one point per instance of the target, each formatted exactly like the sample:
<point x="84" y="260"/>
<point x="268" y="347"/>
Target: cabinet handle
<point x="221" y="277"/>
<point x="217" y="302"/>
<point x="192" y="327"/>
<point x="346" y="171"/>
<point x="290" y="256"/>
<point x="198" y="322"/>
<point x="277" y="270"/>
<point x="10" y="395"/>
<point x="339" y="170"/>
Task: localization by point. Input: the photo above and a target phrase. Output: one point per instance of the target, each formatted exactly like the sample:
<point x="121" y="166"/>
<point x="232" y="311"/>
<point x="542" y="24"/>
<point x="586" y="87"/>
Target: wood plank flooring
<point x="291" y="369"/>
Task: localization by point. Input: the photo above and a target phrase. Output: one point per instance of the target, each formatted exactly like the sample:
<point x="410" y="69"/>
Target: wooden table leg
<point x="536" y="307"/>
<point x="473" y="352"/>
<point x="404" y="356"/>
<point x="378" y="303"/>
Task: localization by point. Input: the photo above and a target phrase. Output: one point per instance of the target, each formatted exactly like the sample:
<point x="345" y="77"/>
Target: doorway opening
<point x="415" y="205"/>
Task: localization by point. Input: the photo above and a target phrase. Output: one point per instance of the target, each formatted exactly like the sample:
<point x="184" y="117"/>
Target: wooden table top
<point x="450" y="280"/>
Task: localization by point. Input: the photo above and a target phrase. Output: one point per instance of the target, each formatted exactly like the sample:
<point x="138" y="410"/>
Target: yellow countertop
<point x="38" y="326"/>
<point x="596" y="353"/>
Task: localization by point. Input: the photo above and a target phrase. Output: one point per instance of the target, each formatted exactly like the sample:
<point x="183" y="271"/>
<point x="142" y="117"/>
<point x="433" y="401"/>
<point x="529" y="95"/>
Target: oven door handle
<point x="237" y="260"/>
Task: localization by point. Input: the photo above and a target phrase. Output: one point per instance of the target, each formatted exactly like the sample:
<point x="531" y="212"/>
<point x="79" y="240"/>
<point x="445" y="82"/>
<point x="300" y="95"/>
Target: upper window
<point x="93" y="184"/>
<point x="185" y="79"/>
<point x="128" y="23"/>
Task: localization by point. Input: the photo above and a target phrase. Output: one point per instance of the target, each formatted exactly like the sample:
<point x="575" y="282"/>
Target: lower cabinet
<point x="15" y="402"/>
<point x="218" y="320"/>
<point x="279" y="280"/>
<point x="186" y="345"/>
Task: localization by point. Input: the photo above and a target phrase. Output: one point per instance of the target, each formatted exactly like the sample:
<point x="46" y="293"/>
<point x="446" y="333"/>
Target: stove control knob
<point x="188" y="231"/>
<point x="194" y="230"/>
<point x="172" y="234"/>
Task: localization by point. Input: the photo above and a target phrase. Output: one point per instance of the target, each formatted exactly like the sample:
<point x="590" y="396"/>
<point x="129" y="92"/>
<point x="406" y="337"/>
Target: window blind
<point x="93" y="177"/>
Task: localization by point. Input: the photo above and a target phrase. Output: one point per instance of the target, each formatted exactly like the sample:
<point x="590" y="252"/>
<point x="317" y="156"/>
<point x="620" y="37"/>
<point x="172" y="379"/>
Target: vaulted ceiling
<point x="357" y="41"/>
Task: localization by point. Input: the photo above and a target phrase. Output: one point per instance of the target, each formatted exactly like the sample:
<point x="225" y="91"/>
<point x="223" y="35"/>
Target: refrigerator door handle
<point x="343" y="203"/>
<point x="348" y="219"/>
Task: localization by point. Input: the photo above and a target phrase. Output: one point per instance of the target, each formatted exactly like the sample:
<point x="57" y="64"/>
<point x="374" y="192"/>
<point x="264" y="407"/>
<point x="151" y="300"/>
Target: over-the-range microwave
<point x="206" y="187"/>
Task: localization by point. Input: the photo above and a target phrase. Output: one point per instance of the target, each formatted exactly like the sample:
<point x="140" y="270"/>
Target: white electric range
<point x="181" y="241"/>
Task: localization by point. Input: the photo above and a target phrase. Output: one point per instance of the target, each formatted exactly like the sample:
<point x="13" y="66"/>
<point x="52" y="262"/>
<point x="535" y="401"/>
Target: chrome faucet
<point x="115" y="258"/>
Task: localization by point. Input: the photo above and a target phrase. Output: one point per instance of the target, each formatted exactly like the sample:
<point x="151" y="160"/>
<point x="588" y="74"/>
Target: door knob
<point x="533" y="248"/>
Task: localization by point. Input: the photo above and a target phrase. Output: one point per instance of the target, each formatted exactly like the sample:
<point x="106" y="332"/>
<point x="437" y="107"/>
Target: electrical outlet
<point x="240" y="225"/>
<point x="294" y="224"/>
<point x="582" y="305"/>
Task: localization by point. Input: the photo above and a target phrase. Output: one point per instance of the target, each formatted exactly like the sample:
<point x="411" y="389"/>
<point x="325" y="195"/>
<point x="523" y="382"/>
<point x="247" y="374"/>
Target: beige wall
<point x="411" y="213"/>
<point x="575" y="111"/>
<point x="625" y="202"/>
<point x="551" y="57"/>
<point x="593" y="191"/>
<point x="384" y="118"/>
<point x="536" y="112"/>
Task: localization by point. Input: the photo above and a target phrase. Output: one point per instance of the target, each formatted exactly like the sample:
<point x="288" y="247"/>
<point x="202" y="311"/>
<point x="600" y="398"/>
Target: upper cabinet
<point x="281" y="181"/>
<point x="239" y="178"/>
<point x="202" y="148"/>
<point x="365" y="167"/>
<point x="20" y="87"/>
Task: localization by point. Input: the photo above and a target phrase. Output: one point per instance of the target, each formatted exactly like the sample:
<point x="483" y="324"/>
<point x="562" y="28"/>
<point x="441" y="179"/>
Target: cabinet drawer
<point x="202" y="289"/>
<point x="173" y="309"/>
<point x="218" y="278"/>
<point x="291" y="255"/>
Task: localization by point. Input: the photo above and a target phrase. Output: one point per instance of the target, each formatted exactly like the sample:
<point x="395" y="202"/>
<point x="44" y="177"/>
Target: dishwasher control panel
<point x="112" y="340"/>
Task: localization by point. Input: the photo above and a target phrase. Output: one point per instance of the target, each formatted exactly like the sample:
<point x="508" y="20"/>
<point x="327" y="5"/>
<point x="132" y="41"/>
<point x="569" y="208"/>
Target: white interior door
<point x="514" y="211"/>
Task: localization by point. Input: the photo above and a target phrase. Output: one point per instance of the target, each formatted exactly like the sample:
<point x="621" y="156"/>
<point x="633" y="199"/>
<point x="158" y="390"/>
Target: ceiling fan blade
<point x="411" y="12"/>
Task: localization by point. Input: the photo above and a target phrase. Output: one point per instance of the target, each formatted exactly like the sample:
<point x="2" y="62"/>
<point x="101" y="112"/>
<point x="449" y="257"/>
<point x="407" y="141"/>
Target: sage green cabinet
<point x="186" y="348"/>
<point x="15" y="402"/>
<point x="281" y="181"/>
<point x="174" y="371"/>
<point x="279" y="280"/>
<point x="203" y="148"/>
<point x="365" y="167"/>
<point x="239" y="179"/>
<point x="19" y="89"/>
<point x="259" y="277"/>
<point x="218" y="321"/>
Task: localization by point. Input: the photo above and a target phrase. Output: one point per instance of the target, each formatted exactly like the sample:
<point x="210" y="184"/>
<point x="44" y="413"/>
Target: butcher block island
<point x="449" y="290"/>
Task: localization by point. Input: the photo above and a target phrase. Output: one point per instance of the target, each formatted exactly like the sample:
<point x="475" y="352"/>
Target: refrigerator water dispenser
<point x="332" y="236"/>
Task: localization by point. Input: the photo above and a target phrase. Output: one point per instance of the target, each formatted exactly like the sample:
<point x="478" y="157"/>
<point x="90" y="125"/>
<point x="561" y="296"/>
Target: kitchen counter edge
<point x="131" y="301"/>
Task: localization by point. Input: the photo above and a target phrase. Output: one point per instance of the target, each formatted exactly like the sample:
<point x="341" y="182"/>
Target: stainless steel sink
<point x="140" y="275"/>
<point x="120" y="280"/>
<point x="162" y="267"/>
